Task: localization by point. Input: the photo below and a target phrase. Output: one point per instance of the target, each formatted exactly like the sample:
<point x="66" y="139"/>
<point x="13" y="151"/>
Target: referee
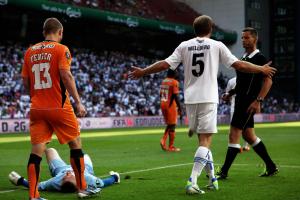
<point x="250" y="90"/>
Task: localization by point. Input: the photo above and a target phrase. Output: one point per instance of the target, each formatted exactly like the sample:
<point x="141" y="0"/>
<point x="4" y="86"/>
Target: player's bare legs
<point x="51" y="154"/>
<point x="33" y="169"/>
<point x="249" y="135"/>
<point x="204" y="140"/>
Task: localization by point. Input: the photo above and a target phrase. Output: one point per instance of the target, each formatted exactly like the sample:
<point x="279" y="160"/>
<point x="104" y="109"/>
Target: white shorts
<point x="202" y="117"/>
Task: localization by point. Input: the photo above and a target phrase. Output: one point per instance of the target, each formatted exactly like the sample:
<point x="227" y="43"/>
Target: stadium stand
<point x="167" y="10"/>
<point x="103" y="85"/>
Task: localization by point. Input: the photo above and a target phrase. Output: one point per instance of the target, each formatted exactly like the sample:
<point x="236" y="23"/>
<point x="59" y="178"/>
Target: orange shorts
<point x="61" y="121"/>
<point x="170" y="115"/>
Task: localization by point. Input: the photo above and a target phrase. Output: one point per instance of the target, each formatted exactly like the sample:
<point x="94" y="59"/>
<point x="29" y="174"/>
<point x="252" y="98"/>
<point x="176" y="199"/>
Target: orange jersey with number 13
<point x="42" y="63"/>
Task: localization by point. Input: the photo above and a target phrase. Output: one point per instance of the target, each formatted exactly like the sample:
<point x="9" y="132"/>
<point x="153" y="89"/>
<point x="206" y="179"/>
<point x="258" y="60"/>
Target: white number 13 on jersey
<point x="37" y="69"/>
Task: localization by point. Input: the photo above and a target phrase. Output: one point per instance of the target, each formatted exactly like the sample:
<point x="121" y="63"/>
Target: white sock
<point x="209" y="167"/>
<point x="256" y="142"/>
<point x="200" y="160"/>
<point x="238" y="146"/>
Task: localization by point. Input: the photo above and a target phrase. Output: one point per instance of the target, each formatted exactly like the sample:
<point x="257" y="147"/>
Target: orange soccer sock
<point x="33" y="171"/>
<point x="164" y="138"/>
<point x="171" y="138"/>
<point x="77" y="163"/>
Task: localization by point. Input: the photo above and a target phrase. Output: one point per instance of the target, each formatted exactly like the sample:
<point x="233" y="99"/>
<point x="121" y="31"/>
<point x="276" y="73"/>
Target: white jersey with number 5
<point x="200" y="58"/>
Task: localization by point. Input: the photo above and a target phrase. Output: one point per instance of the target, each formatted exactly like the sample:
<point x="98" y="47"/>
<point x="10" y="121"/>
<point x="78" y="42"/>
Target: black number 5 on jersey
<point x="198" y="62"/>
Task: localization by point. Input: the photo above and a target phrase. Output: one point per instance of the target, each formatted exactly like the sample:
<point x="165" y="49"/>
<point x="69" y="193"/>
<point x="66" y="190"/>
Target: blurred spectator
<point x="102" y="82"/>
<point x="168" y="10"/>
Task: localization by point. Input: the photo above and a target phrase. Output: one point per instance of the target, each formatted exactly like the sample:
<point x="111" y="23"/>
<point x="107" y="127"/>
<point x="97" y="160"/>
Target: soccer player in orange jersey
<point x="46" y="74"/>
<point x="169" y="104"/>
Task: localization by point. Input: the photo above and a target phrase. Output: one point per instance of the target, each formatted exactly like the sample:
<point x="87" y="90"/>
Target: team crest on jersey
<point x="68" y="56"/>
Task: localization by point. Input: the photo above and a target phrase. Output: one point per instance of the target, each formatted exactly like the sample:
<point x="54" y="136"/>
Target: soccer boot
<point x="174" y="149"/>
<point x="14" y="177"/>
<point x="116" y="175"/>
<point x="191" y="189"/>
<point x="269" y="172"/>
<point x="40" y="198"/>
<point x="213" y="184"/>
<point x="88" y="193"/>
<point x="221" y="175"/>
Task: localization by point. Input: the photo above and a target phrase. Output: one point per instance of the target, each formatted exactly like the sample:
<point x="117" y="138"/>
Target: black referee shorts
<point x="241" y="119"/>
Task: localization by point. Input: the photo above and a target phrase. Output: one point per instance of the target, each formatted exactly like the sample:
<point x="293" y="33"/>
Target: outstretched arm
<point x="154" y="68"/>
<point x="248" y="67"/>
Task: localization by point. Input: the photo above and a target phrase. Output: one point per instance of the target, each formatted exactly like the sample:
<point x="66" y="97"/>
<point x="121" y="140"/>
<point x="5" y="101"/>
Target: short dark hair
<point x="171" y="73"/>
<point x="68" y="187"/>
<point x="252" y="31"/>
<point x="203" y="25"/>
<point x="51" y="25"/>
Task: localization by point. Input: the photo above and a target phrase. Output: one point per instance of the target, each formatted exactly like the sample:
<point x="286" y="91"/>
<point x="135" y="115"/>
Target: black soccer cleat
<point x="269" y="172"/>
<point x="220" y="175"/>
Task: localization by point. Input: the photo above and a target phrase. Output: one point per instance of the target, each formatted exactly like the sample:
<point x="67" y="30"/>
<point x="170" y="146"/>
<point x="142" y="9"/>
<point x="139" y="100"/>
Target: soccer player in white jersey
<point x="229" y="96"/>
<point x="200" y="57"/>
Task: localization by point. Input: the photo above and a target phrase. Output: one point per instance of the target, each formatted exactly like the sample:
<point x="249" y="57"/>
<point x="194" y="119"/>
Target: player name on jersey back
<point x="40" y="56"/>
<point x="199" y="48"/>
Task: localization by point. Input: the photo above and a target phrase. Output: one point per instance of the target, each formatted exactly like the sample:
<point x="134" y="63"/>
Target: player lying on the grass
<point x="63" y="178"/>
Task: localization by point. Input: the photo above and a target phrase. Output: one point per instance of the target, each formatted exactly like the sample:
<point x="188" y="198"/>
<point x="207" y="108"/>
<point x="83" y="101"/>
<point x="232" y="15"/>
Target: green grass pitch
<point x="158" y="175"/>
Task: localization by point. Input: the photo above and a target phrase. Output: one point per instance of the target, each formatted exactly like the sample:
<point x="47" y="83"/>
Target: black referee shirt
<point x="248" y="85"/>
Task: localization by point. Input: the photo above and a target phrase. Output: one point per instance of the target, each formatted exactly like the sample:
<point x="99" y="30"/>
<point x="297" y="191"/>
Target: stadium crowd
<point x="167" y="10"/>
<point x="102" y="83"/>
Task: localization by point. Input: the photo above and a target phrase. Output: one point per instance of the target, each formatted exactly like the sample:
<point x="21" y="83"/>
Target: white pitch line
<point x="6" y="191"/>
<point x="156" y="168"/>
<point x="184" y="164"/>
<point x="290" y="166"/>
